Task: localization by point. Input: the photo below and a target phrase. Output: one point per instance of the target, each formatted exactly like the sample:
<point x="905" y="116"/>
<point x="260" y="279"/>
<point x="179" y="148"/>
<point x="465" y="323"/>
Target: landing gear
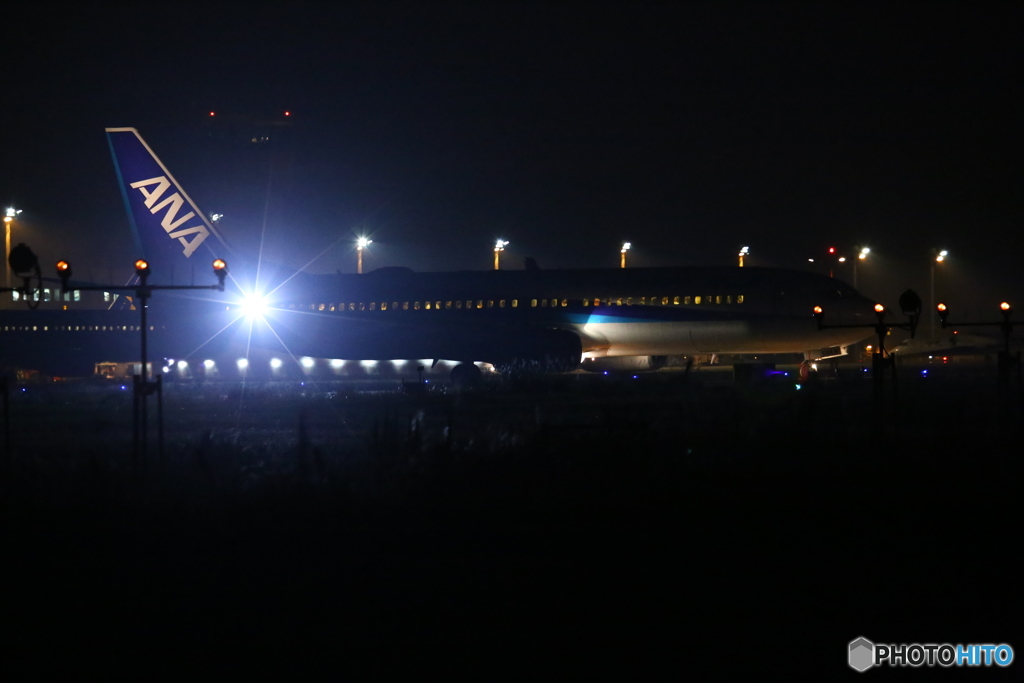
<point x="465" y="376"/>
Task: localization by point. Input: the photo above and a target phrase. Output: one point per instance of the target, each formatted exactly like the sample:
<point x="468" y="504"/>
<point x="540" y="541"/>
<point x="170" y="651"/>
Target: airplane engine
<point x="625" y="364"/>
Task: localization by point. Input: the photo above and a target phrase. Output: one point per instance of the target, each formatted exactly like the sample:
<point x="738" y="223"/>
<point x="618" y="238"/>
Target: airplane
<point x="608" y="319"/>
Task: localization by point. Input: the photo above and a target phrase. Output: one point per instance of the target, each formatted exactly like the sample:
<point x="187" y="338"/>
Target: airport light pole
<point x="910" y="304"/>
<point x="22" y="261"/>
<point x="499" y="246"/>
<point x="861" y="256"/>
<point x="9" y="217"/>
<point x="622" y="259"/>
<point x="1006" y="362"/>
<point x="143" y="291"/>
<point x="745" y="251"/>
<point x="940" y="256"/>
<point x="361" y="244"/>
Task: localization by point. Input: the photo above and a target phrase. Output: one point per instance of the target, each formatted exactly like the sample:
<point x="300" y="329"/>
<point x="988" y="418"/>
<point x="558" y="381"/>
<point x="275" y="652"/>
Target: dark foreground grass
<point x="578" y="529"/>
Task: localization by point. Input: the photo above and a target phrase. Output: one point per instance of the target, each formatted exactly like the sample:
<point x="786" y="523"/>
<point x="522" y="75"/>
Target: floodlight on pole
<point x="743" y="252"/>
<point x="940" y="256"/>
<point x="499" y="246"/>
<point x="861" y="256"/>
<point x="361" y="244"/>
<point x="9" y="217"/>
<point x="622" y="260"/>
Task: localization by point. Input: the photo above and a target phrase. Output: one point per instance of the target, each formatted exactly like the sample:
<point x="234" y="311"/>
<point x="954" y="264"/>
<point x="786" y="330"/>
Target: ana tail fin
<point x="169" y="228"/>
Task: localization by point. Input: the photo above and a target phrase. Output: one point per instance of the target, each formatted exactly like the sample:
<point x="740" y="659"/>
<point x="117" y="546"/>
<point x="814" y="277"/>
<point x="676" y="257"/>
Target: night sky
<point x="434" y="128"/>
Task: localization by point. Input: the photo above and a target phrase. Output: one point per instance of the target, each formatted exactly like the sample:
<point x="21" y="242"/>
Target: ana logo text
<point x="170" y="221"/>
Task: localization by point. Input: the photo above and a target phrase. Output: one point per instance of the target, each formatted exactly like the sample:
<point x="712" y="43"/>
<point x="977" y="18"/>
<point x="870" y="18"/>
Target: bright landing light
<point x="254" y="305"/>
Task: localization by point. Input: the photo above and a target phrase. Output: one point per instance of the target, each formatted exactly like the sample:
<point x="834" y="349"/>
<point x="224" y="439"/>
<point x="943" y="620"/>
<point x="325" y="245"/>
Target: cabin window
<point x="533" y="303"/>
<point x="323" y="307"/>
<point x="515" y="303"/>
<point x="597" y="302"/>
<point x="739" y="299"/>
<point x="373" y="305"/>
<point x="543" y="303"/>
<point x="501" y="303"/>
<point x="383" y="305"/>
<point x="728" y="298"/>
<point x="565" y="302"/>
<point x="479" y="303"/>
<point x="426" y="305"/>
<point x="447" y="305"/>
<point x="405" y="305"/>
<point x="351" y="306"/>
<point x="437" y="305"/>
<point x="586" y="302"/>
<point x="629" y="301"/>
<point x="416" y="305"/>
<point x="708" y="299"/>
<point x="664" y="300"/>
<point x="458" y="304"/>
<point x="718" y="298"/>
<point x="696" y="299"/>
<point x="469" y="304"/>
<point x="362" y="306"/>
<point x="490" y="303"/>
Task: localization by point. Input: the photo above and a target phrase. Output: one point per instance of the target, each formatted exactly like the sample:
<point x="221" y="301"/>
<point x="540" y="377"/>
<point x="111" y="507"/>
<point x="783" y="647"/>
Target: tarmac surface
<point x="578" y="525"/>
